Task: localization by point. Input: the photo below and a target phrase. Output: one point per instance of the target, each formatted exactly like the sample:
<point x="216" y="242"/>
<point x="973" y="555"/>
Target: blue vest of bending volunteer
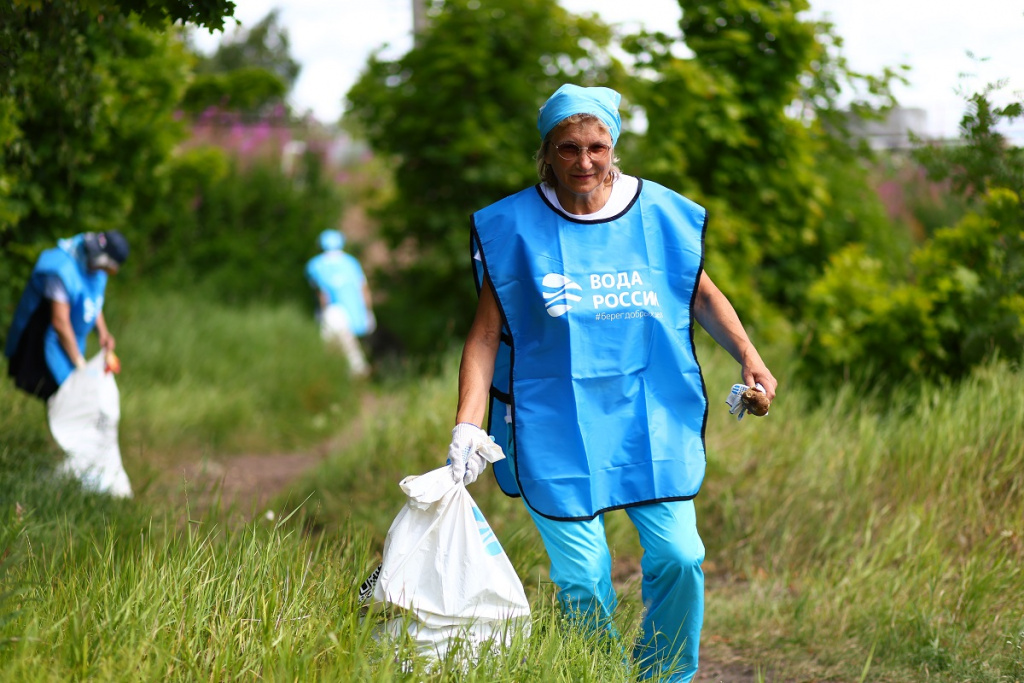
<point x="85" y="297"/>
<point x="608" y="405"/>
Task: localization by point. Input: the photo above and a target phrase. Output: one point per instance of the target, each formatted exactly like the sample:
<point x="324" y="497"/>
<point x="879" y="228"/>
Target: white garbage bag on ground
<point x="446" y="571"/>
<point x="83" y="416"/>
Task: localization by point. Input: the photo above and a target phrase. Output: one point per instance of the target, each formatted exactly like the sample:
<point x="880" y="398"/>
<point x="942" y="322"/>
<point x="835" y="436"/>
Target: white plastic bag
<point x="446" y="570"/>
<point x="83" y="416"/>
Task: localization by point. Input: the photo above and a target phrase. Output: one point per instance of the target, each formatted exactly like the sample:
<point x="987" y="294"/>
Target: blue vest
<point x="85" y="296"/>
<point x="340" y="276"/>
<point x="597" y="387"/>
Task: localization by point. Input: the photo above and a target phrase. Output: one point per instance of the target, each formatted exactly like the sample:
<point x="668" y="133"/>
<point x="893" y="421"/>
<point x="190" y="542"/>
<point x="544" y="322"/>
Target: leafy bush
<point x="784" y="191"/>
<point x="963" y="303"/>
<point x="242" y="229"/>
<point x="961" y="298"/>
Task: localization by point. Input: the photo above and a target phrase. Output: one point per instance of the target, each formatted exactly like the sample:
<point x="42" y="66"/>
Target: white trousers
<point x="336" y="330"/>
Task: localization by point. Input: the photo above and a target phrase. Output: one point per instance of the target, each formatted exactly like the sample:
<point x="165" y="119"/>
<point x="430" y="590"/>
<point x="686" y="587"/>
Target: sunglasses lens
<point x="569" y="151"/>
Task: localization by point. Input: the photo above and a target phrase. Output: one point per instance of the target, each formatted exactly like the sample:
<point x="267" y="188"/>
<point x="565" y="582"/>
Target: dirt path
<point x="242" y="483"/>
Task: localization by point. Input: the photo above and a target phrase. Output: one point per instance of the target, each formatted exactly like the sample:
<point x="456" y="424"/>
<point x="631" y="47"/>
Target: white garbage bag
<point x="83" y="416"/>
<point x="446" y="571"/>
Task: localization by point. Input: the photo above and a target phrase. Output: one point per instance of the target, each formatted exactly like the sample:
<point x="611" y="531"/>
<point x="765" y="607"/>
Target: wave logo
<point x="558" y="293"/>
<point x="491" y="545"/>
<point x="91" y="308"/>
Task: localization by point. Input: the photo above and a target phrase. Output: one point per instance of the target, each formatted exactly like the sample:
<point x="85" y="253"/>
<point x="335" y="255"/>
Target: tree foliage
<point x="154" y="13"/>
<point x="246" y="89"/>
<point x="252" y="71"/>
<point x="88" y="91"/>
<point x="742" y="116"/>
<point x="457" y="114"/>
<point x="238" y="230"/>
<point x="960" y="298"/>
<point x="265" y="45"/>
<point x="986" y="159"/>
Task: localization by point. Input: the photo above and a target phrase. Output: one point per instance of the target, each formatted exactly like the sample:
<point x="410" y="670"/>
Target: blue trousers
<point x="672" y="589"/>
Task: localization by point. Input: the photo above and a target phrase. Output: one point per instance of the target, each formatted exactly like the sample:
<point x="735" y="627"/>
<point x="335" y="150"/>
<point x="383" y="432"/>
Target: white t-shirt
<point x="55" y="290"/>
<point x="623" y="191"/>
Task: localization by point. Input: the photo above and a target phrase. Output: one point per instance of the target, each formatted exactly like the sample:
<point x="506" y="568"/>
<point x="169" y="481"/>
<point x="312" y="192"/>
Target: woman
<point x="588" y="285"/>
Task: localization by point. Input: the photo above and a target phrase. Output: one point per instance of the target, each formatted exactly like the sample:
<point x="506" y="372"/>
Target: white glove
<point x="470" y="451"/>
<point x="735" y="399"/>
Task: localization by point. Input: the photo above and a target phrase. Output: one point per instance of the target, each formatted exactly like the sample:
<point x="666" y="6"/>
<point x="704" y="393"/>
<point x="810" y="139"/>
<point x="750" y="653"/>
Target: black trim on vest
<point x="693" y="344"/>
<point x="572" y="219"/>
<point x="474" y="237"/>
<point x="500" y="395"/>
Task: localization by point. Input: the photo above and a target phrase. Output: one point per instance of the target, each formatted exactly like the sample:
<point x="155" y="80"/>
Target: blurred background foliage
<point x="879" y="266"/>
<point x="457" y="116"/>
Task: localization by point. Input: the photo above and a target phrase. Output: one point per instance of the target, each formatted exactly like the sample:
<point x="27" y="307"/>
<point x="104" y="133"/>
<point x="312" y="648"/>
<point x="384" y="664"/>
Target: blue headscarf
<point x="572" y="99"/>
<point x="331" y="240"/>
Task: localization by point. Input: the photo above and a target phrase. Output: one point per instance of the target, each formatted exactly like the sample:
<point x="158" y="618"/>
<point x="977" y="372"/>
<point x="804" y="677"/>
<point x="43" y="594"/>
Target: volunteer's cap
<point x="331" y="239"/>
<point x="108" y="248"/>
<point x="572" y="99"/>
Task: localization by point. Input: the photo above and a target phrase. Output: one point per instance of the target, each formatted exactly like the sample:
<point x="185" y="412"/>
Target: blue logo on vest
<point x="558" y="295"/>
<point x="491" y="544"/>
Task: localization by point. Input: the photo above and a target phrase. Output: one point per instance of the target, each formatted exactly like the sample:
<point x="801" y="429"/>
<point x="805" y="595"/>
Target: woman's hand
<point x="106" y="339"/>
<point x="716" y="315"/>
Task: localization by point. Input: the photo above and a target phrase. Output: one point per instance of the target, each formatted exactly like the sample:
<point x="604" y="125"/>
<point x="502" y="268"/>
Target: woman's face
<point x="581" y="179"/>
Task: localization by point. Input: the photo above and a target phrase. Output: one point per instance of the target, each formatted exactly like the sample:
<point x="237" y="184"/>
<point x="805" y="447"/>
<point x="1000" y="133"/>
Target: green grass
<point x="856" y="537"/>
<point x="200" y="376"/>
<point x="874" y="537"/>
<point x="889" y="530"/>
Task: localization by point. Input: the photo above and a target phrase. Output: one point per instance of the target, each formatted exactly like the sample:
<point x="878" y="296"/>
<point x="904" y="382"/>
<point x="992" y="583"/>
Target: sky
<point x="333" y="38"/>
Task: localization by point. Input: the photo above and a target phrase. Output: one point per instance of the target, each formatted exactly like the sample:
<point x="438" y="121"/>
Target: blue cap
<point x="331" y="240"/>
<point x="572" y="99"/>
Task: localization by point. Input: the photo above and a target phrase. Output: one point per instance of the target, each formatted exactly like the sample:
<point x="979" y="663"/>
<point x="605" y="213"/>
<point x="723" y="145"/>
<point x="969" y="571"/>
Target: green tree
<point x="154" y="13"/>
<point x="458" y="116"/>
<point x="265" y="46"/>
<point x="251" y="71"/>
<point x="743" y="117"/>
<point x="239" y="230"/>
<point x="985" y="159"/>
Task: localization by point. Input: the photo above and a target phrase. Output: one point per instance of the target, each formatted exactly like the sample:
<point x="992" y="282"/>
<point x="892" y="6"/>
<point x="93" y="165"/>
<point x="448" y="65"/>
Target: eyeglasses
<point x="570" y="151"/>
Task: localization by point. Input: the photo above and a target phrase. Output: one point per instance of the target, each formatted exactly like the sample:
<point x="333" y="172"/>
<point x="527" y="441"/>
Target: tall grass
<point x="854" y="537"/>
<point x="847" y="534"/>
<point x="261" y="602"/>
<point x="200" y="376"/>
<point x="882" y="527"/>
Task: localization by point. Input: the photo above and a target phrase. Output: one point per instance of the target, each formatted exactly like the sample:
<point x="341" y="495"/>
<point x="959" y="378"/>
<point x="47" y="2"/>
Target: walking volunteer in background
<point x="345" y="307"/>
